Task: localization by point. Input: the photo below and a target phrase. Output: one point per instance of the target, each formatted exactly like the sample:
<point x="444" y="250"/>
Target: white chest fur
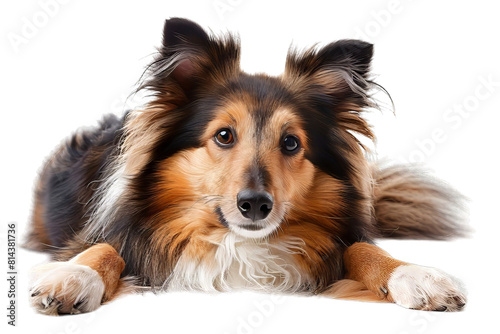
<point x="242" y="263"/>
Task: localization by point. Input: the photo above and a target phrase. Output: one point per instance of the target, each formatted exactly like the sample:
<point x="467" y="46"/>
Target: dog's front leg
<point x="78" y="285"/>
<point x="405" y="284"/>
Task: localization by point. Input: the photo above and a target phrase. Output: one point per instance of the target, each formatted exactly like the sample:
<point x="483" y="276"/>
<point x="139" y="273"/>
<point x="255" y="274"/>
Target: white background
<point x="82" y="58"/>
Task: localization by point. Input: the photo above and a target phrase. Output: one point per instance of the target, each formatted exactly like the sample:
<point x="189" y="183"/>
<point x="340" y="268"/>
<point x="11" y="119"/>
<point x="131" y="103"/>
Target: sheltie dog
<point x="227" y="180"/>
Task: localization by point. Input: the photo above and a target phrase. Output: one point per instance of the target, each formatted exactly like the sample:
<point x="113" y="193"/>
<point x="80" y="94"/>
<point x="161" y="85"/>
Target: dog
<point x="227" y="180"/>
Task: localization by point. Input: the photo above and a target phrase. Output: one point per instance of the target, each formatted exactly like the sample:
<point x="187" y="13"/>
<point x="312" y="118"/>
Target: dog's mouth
<point x="242" y="227"/>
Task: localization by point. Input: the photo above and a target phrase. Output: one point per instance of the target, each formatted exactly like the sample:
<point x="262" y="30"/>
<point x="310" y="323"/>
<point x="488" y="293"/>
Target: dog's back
<point x="68" y="182"/>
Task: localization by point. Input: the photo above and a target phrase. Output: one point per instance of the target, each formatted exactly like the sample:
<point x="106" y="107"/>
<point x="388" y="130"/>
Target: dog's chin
<point x="251" y="231"/>
<point x="245" y="227"/>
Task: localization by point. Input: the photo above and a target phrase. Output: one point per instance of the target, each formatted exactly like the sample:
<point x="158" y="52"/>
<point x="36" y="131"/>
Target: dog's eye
<point x="224" y="138"/>
<point x="291" y="144"/>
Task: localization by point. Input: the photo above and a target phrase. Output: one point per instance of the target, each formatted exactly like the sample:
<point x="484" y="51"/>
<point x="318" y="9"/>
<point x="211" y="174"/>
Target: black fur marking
<point x="252" y="227"/>
<point x="353" y="55"/>
<point x="130" y="235"/>
<point x="222" y="219"/>
<point x="258" y="177"/>
<point x="325" y="150"/>
<point x="268" y="94"/>
<point x="178" y="31"/>
<point x="70" y="178"/>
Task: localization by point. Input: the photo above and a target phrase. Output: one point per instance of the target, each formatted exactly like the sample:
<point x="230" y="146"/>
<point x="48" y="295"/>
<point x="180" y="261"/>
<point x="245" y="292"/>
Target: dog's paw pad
<point x="424" y="288"/>
<point x="66" y="288"/>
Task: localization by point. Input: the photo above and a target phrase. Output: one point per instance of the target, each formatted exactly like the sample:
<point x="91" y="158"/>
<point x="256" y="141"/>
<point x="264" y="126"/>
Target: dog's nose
<point x="255" y="205"/>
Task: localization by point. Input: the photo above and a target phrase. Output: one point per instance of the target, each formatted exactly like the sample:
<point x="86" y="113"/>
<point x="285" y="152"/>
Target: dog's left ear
<point x="352" y="54"/>
<point x="340" y="69"/>
<point x="337" y="78"/>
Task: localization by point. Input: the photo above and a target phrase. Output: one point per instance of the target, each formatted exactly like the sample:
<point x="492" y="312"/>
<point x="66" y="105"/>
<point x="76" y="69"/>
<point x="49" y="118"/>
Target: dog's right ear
<point x="178" y="32"/>
<point x="190" y="59"/>
<point x="187" y="39"/>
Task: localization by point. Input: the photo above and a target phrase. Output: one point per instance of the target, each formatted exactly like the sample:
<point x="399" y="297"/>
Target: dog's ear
<point x="190" y="58"/>
<point x="341" y="69"/>
<point x="178" y="32"/>
<point x="188" y="39"/>
<point x="337" y="77"/>
<point x="349" y="54"/>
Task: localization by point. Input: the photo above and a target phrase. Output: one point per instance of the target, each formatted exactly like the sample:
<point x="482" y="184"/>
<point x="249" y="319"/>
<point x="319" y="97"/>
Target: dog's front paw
<point x="66" y="288"/>
<point x="424" y="288"/>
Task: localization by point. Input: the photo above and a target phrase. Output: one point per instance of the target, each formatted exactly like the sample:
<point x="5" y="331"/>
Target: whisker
<point x="342" y="241"/>
<point x="206" y="199"/>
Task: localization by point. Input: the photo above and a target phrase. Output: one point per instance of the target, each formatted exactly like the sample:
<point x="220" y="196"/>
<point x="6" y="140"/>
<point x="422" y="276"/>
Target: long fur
<point x="156" y="186"/>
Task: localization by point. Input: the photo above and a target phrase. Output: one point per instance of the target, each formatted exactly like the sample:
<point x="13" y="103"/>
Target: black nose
<point x="255" y="205"/>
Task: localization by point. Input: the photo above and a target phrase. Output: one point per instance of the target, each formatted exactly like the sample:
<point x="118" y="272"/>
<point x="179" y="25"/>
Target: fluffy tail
<point x="409" y="204"/>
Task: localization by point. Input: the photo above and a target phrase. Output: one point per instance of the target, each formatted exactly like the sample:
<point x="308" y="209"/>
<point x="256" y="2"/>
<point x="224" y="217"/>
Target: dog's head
<point x="253" y="152"/>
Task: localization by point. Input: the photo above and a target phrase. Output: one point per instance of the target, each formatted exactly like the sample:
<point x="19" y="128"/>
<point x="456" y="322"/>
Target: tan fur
<point x="370" y="265"/>
<point x="312" y="217"/>
<point x="352" y="290"/>
<point x="104" y="259"/>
